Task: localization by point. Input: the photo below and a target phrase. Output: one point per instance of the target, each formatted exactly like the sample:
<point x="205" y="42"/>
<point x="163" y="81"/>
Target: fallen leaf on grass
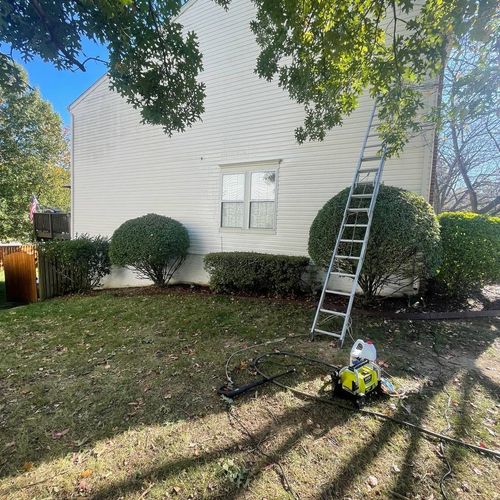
<point x="86" y="473"/>
<point x="84" y="486"/>
<point x="27" y="466"/>
<point x="59" y="434"/>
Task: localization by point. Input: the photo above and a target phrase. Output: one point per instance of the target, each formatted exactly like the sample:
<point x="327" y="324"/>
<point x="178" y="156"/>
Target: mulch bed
<point x="432" y="306"/>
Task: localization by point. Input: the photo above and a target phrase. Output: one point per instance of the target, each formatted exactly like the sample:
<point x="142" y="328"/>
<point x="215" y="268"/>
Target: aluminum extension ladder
<point x="352" y="239"/>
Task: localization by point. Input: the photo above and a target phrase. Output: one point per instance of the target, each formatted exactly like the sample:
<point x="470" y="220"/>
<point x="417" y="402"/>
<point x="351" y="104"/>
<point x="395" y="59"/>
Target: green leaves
<point x="153" y="245"/>
<point x="33" y="157"/>
<point x="326" y="54"/>
<point x="254" y="272"/>
<point x="404" y="239"/>
<point x="471" y="252"/>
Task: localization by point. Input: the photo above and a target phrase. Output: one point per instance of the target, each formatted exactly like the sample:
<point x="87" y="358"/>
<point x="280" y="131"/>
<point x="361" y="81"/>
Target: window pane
<point x="232" y="215"/>
<point x="262" y="214"/>
<point x="263" y="184"/>
<point x="233" y="187"/>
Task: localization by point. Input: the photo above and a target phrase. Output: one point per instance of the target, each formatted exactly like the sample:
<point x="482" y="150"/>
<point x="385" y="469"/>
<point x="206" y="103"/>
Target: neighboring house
<point x="238" y="180"/>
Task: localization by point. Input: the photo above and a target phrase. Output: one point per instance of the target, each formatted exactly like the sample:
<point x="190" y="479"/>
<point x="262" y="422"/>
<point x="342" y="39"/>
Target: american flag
<point x="33" y="206"/>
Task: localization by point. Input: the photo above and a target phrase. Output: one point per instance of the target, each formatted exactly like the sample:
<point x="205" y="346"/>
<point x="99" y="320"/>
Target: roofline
<point x="90" y="89"/>
<point x="86" y="92"/>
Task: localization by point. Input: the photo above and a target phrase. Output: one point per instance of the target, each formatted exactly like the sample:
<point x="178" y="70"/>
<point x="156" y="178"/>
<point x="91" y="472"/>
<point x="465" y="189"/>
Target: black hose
<point x="382" y="416"/>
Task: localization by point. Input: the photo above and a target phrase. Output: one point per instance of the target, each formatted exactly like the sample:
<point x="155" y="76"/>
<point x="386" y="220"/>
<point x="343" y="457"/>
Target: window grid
<point x="256" y="209"/>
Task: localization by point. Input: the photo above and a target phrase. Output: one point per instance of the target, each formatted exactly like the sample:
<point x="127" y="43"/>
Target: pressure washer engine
<point x="362" y="377"/>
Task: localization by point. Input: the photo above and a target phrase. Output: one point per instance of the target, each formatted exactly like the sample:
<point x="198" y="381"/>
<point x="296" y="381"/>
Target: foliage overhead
<point x="152" y="63"/>
<point x="33" y="159"/>
<point x="403" y="245"/>
<point x="153" y="245"/>
<point x="324" y="53"/>
<point x="81" y="263"/>
<point x="471" y="252"/>
<point x="256" y="272"/>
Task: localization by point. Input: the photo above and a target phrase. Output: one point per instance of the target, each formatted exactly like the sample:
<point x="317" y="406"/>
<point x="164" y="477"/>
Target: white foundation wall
<point x="123" y="169"/>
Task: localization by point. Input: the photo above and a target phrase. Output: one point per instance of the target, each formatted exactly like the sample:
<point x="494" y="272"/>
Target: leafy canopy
<point x="33" y="159"/>
<point x="323" y="53"/>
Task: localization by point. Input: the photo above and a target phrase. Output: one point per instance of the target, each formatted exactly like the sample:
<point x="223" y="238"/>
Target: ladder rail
<point x="352" y="211"/>
<point x="364" y="248"/>
<point x="344" y="220"/>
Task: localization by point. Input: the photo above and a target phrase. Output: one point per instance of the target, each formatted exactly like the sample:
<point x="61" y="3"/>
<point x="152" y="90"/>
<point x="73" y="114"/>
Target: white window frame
<point x="248" y="169"/>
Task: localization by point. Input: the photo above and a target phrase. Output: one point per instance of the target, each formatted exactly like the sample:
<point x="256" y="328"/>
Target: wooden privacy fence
<point x="20" y="277"/>
<point x="8" y="249"/>
<point x="55" y="278"/>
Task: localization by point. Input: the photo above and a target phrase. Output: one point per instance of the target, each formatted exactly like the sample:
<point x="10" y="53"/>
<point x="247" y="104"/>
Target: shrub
<point x="153" y="245"/>
<point x="471" y="252"/>
<point x="80" y="263"/>
<point x="404" y="239"/>
<point x="255" y="272"/>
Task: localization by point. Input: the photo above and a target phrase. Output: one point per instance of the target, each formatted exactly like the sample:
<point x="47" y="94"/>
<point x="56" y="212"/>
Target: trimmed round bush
<point x="153" y="245"/>
<point x="471" y="252"/>
<point x="404" y="239"/>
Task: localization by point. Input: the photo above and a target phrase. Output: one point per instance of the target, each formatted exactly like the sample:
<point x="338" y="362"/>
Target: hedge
<point x="256" y="272"/>
<point x="153" y="245"/>
<point x="404" y="240"/>
<point x="81" y="263"/>
<point x="471" y="252"/>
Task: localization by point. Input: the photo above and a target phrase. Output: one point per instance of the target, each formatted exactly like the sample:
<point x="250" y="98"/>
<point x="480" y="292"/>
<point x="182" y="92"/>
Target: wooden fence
<point x="55" y="279"/>
<point x="50" y="226"/>
<point x="8" y="249"/>
<point x="20" y="277"/>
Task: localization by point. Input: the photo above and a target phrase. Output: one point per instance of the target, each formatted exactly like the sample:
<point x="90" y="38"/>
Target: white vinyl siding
<point x="123" y="169"/>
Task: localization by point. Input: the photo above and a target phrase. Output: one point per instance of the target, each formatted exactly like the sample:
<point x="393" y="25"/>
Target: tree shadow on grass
<point x="406" y="482"/>
<point x="147" y="379"/>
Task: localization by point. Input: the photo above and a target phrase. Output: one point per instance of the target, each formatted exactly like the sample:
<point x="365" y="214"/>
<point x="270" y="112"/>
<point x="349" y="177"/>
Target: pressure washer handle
<point x="232" y="393"/>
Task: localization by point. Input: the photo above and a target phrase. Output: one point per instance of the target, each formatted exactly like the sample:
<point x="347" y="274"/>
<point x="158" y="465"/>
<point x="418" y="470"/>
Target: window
<point x="262" y="194"/>
<point x="233" y="200"/>
<point x="249" y="199"/>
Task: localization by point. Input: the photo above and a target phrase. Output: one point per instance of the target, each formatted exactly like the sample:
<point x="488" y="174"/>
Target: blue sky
<point x="61" y="87"/>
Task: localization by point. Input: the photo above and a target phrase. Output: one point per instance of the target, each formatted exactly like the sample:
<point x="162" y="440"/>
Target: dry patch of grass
<point x="110" y="396"/>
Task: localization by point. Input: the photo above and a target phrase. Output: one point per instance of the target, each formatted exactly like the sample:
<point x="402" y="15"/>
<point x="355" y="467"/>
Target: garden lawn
<point x="113" y="396"/>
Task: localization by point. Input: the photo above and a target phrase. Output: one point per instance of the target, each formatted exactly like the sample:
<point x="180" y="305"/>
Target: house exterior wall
<point x="123" y="169"/>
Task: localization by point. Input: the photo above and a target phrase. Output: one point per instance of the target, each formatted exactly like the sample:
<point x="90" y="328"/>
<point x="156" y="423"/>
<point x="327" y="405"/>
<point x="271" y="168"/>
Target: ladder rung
<point x="367" y="170"/>
<point x="352" y="257"/>
<point x="333" y="313"/>
<point x="348" y="275"/>
<point x="369" y="146"/>
<point x="372" y="135"/>
<point x="324" y="332"/>
<point x="338" y="292"/>
<point x="358" y="209"/>
<point x="352" y="241"/>
<point x="355" y="225"/>
<point x="367" y="195"/>
<point x="371" y="158"/>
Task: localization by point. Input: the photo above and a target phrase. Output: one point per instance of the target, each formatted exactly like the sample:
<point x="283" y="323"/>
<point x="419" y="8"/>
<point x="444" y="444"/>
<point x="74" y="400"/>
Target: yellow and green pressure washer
<point x="362" y="377"/>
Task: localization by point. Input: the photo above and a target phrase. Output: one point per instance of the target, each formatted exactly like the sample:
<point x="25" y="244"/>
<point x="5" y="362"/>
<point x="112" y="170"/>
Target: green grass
<point x="113" y="396"/>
